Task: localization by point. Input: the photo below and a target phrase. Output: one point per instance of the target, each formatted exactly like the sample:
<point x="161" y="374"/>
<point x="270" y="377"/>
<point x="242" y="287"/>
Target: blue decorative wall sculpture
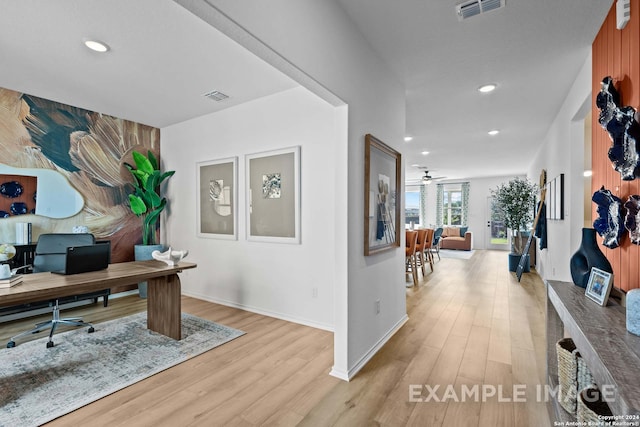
<point x="609" y="224"/>
<point x="623" y="128"/>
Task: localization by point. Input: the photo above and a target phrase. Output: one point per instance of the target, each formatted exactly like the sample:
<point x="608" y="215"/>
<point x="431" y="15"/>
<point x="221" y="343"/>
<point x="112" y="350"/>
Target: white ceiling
<point x="532" y="49"/>
<point x="163" y="59"/>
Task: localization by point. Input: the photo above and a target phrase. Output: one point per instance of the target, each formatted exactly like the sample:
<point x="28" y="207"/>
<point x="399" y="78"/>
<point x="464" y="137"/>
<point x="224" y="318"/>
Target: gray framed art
<point x="382" y="184"/>
<point x="217" y="195"/>
<point x="273" y="196"/>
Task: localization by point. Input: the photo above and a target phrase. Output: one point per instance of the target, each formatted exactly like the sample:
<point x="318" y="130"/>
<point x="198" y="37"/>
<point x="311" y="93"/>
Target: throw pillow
<point x="463" y="230"/>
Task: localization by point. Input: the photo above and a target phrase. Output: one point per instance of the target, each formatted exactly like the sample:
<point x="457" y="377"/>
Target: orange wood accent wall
<point x="617" y="54"/>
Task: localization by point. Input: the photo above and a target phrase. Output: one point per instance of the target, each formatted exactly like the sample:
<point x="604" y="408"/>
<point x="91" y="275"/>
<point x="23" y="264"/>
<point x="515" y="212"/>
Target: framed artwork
<point x="381" y="196"/>
<point x="559" y="202"/>
<point x="555" y="207"/>
<point x="273" y="196"/>
<point x="551" y="206"/>
<point x="599" y="286"/>
<point x="217" y="195"/>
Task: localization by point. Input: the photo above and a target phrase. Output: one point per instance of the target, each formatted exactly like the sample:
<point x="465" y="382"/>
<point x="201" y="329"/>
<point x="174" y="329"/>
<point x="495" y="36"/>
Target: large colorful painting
<point x="85" y="148"/>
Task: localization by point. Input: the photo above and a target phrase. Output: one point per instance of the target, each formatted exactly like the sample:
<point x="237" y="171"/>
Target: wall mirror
<point x="56" y="198"/>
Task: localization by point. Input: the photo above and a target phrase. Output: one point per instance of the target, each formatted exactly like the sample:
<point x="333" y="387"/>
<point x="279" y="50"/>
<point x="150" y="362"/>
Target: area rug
<point x="39" y="384"/>
<point x="452" y="253"/>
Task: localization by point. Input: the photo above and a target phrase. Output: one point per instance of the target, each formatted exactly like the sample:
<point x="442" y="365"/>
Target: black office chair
<point x="50" y="255"/>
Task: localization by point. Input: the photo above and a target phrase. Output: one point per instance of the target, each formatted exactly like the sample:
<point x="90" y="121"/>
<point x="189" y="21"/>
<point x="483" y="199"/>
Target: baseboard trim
<point x="258" y="310"/>
<point x="347" y="376"/>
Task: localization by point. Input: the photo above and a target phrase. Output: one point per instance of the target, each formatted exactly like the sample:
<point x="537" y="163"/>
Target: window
<point x="452" y="206"/>
<point x="412" y="206"/>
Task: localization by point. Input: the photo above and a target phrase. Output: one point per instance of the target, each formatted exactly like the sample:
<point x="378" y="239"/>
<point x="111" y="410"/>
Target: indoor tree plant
<point x="147" y="203"/>
<point x="515" y="200"/>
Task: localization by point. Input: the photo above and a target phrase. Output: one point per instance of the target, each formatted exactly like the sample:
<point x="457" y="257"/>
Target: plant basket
<point x="592" y="409"/>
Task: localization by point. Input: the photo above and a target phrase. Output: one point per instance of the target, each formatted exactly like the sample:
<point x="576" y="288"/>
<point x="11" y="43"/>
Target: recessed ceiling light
<point x="587" y="173"/>
<point x="493" y="132"/>
<point x="487" y="88"/>
<point x="408" y="138"/>
<point x="424" y="153"/>
<point x="96" y="45"/>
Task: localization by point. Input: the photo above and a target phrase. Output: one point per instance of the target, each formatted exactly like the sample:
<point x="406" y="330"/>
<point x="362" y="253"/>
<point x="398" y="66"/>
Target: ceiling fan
<point x="427" y="178"/>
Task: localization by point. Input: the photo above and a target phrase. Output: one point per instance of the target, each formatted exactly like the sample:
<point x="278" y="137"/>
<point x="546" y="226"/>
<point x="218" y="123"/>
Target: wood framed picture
<point x="217" y="195"/>
<point x="273" y="196"/>
<point x="382" y="189"/>
<point x="599" y="286"/>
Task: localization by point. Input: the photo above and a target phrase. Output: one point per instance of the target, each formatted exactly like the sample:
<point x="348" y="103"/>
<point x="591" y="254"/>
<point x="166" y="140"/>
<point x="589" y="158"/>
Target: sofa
<point x="456" y="238"/>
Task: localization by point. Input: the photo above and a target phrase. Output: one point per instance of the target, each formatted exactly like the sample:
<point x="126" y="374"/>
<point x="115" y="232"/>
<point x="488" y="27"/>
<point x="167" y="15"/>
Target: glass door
<point x="497" y="235"/>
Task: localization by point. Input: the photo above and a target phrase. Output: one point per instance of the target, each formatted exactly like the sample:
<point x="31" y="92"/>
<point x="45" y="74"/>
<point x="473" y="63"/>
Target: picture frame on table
<point x="382" y="190"/>
<point x="273" y="196"/>
<point x="599" y="286"/>
<point x="217" y="197"/>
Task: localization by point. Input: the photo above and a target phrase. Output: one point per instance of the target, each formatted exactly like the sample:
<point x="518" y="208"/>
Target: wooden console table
<point x="600" y="334"/>
<point x="163" y="294"/>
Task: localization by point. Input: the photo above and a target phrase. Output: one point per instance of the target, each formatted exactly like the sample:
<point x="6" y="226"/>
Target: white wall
<point x="479" y="191"/>
<point x="270" y="278"/>
<point x="563" y="152"/>
<point x="316" y="44"/>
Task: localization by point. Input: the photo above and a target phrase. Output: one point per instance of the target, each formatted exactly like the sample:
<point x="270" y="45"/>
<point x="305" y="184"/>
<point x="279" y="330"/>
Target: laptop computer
<point x="82" y="259"/>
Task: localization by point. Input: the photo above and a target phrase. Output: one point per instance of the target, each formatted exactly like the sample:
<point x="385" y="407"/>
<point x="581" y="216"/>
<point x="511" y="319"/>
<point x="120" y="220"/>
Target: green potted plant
<point x="147" y="203"/>
<point x="515" y="200"/>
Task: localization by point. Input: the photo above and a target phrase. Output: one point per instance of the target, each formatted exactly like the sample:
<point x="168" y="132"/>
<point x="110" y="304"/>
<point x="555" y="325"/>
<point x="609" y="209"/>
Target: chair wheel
<point x="49" y="344"/>
<point x="91" y="330"/>
<point x="11" y="344"/>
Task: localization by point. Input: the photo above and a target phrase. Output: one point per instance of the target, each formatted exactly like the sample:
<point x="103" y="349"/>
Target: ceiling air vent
<point x="467" y="9"/>
<point x="216" y="96"/>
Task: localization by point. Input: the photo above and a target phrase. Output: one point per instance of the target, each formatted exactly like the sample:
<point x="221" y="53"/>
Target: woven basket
<point x="567" y="374"/>
<point x="592" y="408"/>
<point x="585" y="379"/>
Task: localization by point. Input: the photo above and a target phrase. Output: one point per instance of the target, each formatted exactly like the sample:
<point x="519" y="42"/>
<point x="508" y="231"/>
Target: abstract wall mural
<point x="88" y="149"/>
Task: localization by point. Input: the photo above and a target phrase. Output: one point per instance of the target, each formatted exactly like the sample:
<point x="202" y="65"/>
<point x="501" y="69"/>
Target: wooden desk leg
<point x="164" y="306"/>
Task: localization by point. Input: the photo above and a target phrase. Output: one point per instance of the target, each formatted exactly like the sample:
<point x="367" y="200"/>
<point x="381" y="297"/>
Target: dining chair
<point x="410" y="251"/>
<point x="428" y="244"/>
<point x="420" y="248"/>
<point x="437" y="235"/>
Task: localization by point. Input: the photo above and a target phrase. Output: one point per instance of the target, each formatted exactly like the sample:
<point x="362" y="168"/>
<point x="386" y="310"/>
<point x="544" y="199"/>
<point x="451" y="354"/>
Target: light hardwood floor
<point x="470" y="323"/>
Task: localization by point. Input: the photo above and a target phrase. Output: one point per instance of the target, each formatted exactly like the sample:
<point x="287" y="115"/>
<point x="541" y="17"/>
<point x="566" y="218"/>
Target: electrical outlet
<point x="314" y="293"/>
<point x="377" y="306"/>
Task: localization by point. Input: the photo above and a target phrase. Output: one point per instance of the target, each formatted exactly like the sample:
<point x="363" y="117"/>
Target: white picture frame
<point x="599" y="286"/>
<point x="272" y="191"/>
<point x="216" y="198"/>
